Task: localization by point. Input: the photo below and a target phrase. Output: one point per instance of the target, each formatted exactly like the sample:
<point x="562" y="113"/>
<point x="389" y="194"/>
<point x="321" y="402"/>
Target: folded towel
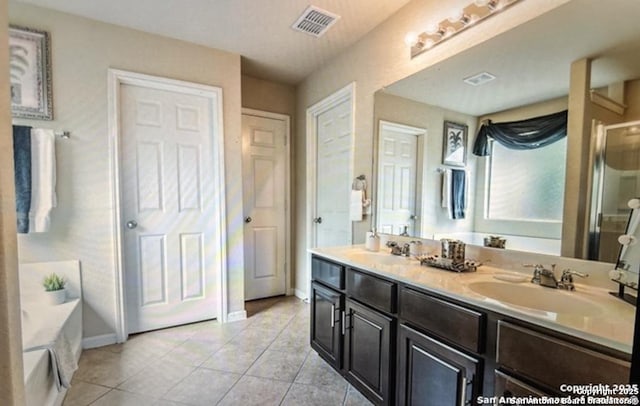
<point x="458" y="193"/>
<point x="63" y="362"/>
<point x="43" y="179"/>
<point x="22" y="171"/>
<point x="355" y="207"/>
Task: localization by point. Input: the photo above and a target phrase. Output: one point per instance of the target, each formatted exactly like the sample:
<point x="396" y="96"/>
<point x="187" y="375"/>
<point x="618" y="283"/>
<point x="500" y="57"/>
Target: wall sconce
<point x="458" y="21"/>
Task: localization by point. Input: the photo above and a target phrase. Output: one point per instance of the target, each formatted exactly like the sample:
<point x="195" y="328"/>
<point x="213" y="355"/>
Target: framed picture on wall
<point x="454" y="151"/>
<point x="30" y="73"/>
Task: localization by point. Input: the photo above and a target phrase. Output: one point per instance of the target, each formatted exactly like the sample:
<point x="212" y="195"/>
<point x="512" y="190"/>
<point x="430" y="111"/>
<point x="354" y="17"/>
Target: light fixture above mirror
<point x="457" y="21"/>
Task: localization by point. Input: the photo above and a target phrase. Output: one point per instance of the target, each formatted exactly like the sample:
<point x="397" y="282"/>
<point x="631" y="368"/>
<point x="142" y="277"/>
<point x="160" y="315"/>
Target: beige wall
<point x="377" y="60"/>
<point x="404" y="111"/>
<point x="11" y="375"/>
<point x="82" y="52"/>
<point x="268" y="96"/>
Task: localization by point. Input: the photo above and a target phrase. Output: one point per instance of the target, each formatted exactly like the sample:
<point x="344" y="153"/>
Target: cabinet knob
<point x="131" y="224"/>
<point x="317" y="220"/>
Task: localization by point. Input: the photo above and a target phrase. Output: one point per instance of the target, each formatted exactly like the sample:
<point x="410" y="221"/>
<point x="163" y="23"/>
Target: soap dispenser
<point x="372" y="241"/>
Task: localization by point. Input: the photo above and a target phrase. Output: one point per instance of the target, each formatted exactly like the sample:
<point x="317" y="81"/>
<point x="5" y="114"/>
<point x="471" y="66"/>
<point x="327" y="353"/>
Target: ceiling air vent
<point x="315" y="21"/>
<point x="479" y="79"/>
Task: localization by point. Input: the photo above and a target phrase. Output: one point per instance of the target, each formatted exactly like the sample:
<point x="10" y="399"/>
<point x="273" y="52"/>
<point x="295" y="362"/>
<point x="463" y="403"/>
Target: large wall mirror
<point x="519" y="195"/>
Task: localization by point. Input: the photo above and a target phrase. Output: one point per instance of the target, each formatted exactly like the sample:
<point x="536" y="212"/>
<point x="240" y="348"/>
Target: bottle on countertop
<point x="372" y="241"/>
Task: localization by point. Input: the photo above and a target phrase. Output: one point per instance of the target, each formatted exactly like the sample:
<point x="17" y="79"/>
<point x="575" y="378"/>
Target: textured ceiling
<point x="259" y="30"/>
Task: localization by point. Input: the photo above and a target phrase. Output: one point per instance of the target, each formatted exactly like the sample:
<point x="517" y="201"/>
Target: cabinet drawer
<point x="327" y="272"/>
<point x="373" y="291"/>
<point x="552" y="362"/>
<point x="508" y="386"/>
<point x="454" y="323"/>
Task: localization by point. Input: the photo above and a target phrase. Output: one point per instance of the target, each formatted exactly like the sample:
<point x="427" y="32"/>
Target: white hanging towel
<point x="446" y="190"/>
<point x="43" y="179"/>
<point x="355" y="206"/>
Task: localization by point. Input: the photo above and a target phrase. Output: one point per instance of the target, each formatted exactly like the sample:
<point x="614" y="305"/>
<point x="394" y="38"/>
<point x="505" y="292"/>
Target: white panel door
<point x="333" y="182"/>
<point x="167" y="206"/>
<point x="397" y="172"/>
<point x="264" y="181"/>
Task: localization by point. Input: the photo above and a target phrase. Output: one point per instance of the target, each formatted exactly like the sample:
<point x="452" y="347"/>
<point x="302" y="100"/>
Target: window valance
<point x="532" y="133"/>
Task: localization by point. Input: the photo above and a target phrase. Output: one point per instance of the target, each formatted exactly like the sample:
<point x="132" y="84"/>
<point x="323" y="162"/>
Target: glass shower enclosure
<point x="616" y="181"/>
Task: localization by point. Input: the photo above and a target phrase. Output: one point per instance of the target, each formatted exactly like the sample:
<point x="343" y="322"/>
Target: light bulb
<point x="627" y="239"/>
<point x="495" y="5"/>
<point x="432" y="29"/>
<point x="455" y="16"/>
<point x="411" y="39"/>
<point x="634" y="203"/>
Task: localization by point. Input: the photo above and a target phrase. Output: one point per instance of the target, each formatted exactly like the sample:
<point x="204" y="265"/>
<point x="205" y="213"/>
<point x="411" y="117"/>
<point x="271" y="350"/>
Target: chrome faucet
<point x="543" y="276"/>
<point x="546" y="277"/>
<point x="397" y="249"/>
<point x="566" y="281"/>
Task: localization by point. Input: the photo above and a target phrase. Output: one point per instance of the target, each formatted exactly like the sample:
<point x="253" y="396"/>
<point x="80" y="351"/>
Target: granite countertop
<point x="589" y="313"/>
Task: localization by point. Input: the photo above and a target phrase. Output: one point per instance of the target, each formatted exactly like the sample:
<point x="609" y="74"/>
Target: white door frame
<point x="347" y="93"/>
<point x="287" y="188"/>
<point x="116" y="78"/>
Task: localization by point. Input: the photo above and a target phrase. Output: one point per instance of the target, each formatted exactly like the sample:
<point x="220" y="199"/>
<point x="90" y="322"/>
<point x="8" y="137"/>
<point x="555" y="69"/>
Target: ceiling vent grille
<point x="479" y="79"/>
<point x="315" y="21"/>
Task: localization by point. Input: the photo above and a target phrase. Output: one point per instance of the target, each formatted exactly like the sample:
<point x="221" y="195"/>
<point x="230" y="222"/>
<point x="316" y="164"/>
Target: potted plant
<point x="54" y="289"/>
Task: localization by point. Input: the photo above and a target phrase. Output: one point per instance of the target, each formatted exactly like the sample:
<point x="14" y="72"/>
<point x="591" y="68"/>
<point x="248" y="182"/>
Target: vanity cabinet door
<point x="431" y="373"/>
<point x="507" y="387"/>
<point x="368" y="352"/>
<point x="326" y="337"/>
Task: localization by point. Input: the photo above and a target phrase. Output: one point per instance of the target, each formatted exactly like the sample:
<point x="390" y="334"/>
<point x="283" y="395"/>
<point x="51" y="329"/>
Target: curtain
<point x="532" y="133"/>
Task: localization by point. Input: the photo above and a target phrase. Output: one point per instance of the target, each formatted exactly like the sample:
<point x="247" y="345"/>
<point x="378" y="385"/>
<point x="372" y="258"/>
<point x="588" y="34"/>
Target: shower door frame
<point x="597" y="191"/>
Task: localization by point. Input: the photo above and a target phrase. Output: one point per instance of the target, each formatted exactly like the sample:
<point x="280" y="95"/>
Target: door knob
<point x="131" y="224"/>
<point x="248" y="220"/>
<point x="317" y="220"/>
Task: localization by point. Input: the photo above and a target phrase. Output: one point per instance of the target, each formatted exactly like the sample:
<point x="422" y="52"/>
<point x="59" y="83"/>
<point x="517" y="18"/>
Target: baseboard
<point x="236" y="316"/>
<point x="98" y="341"/>
<point x="301" y="295"/>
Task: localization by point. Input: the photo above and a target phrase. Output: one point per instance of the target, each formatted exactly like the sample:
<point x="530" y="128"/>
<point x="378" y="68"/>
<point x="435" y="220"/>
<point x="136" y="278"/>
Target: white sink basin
<point x="537" y="298"/>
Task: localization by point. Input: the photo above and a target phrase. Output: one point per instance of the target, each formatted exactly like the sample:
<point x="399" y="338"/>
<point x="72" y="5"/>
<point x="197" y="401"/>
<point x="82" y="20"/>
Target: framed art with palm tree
<point x="30" y="73"/>
<point x="454" y="147"/>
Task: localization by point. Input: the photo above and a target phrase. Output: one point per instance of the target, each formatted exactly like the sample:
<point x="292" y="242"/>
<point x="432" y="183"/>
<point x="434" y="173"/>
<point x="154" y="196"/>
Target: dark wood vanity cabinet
<point x="507" y="386"/>
<point x="326" y="323"/>
<point x="431" y="373"/>
<point x="438" y="351"/>
<point x="399" y="344"/>
<point x="525" y="353"/>
<point x="368" y="351"/>
<point x="353" y="328"/>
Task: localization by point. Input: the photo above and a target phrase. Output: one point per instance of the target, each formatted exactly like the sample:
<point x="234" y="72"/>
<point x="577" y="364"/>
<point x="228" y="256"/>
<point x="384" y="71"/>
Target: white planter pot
<point x="56" y="297"/>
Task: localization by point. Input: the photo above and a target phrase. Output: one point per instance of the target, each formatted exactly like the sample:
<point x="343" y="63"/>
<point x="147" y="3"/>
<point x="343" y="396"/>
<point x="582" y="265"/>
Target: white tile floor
<point x="264" y="360"/>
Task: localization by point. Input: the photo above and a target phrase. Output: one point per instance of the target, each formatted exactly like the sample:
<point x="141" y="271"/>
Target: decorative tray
<point x="448" y="264"/>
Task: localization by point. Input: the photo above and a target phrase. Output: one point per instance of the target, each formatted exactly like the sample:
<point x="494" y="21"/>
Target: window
<point x="527" y="185"/>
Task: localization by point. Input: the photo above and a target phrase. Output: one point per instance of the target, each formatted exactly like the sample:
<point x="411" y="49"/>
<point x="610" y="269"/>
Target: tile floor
<point x="264" y="360"/>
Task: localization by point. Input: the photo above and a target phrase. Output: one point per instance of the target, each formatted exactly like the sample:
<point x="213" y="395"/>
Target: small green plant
<point x="53" y="282"/>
